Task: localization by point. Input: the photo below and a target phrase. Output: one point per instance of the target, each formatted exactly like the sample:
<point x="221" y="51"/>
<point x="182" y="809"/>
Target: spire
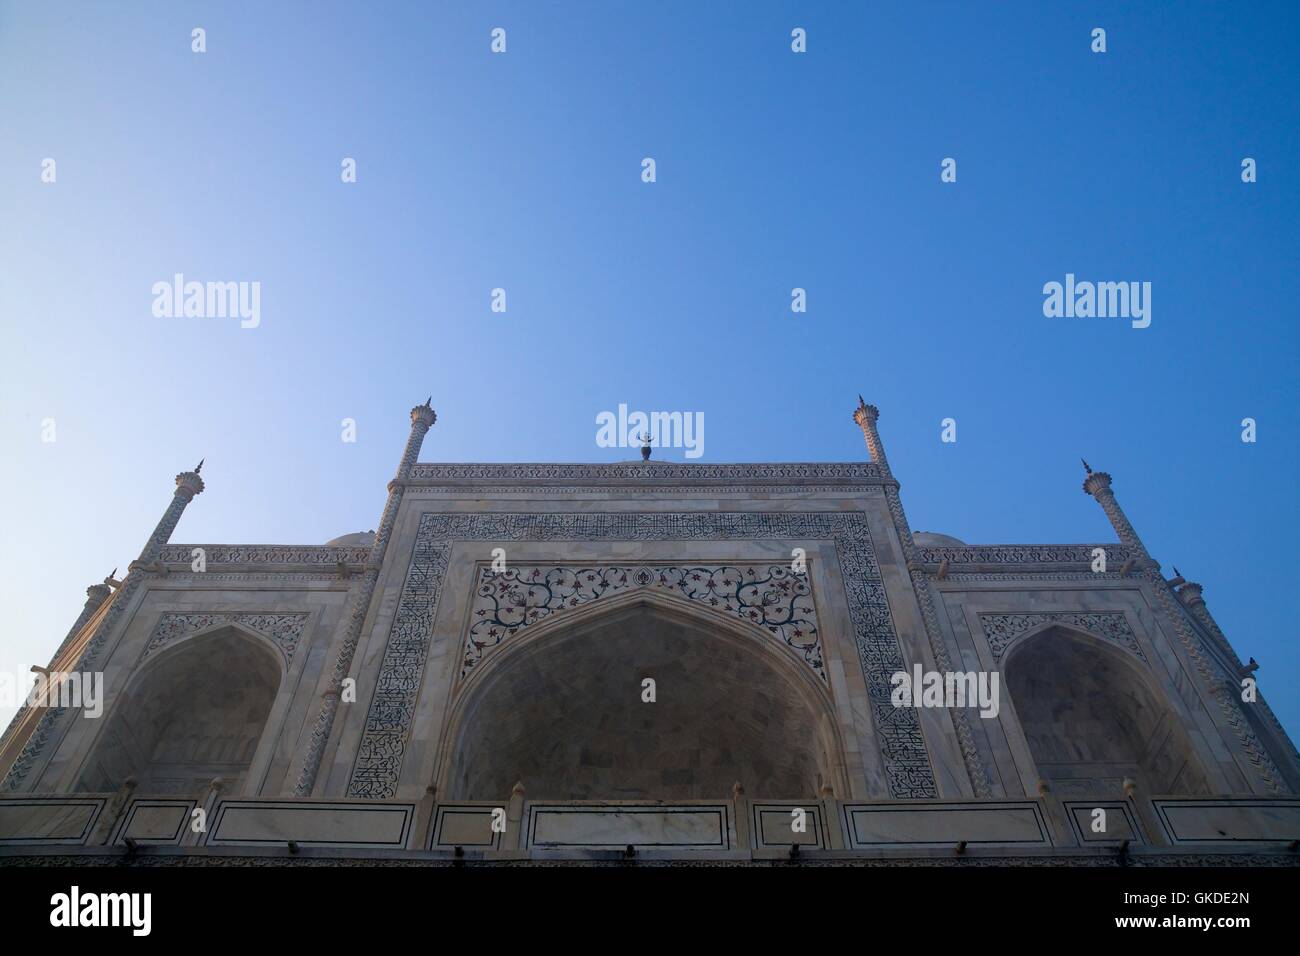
<point x="423" y="418"/>
<point x="1097" y="484"/>
<point x="865" y="416"/>
<point x="199" y="467"/>
<point x="1086" y="467"/>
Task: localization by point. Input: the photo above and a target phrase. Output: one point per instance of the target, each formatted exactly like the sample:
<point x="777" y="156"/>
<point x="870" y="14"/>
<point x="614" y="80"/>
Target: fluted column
<point x="1097" y="484"/>
<point x="422" y="419"/>
<point x="866" y="416"/>
<point x="188" y="484"/>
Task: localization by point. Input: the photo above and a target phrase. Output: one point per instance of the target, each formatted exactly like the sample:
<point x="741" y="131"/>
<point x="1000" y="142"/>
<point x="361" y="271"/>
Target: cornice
<point x="1039" y="557"/>
<point x="658" y="473"/>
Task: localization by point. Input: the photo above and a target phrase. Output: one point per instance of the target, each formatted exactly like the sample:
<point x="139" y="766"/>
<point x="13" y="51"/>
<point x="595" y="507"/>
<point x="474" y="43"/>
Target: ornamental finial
<point x="199" y="467"/>
<point x="1086" y="467"/>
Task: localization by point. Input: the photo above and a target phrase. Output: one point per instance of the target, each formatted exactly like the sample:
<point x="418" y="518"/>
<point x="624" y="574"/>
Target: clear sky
<point x="774" y="170"/>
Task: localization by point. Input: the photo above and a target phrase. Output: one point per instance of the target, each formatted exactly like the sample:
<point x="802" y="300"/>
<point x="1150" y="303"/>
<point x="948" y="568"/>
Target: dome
<point x="358" y="539"/>
<point x="932" y="539"/>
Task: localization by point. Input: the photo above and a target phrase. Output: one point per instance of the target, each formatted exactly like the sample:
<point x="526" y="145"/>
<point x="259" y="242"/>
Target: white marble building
<point x="662" y="662"/>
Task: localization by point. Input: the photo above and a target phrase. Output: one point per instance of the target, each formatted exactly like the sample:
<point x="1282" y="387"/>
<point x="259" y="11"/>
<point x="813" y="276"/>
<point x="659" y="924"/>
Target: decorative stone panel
<point x="771" y="597"/>
<point x="281" y="554"/>
<point x="1024" y="556"/>
<point x="1003" y="630"/>
<point x="285" y="630"/>
<point x="383" y="743"/>
<point x="676" y="472"/>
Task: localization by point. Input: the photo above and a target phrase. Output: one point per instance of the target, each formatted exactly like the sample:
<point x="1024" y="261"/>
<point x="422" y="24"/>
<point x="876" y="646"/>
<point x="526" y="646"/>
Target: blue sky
<point x="775" y="170"/>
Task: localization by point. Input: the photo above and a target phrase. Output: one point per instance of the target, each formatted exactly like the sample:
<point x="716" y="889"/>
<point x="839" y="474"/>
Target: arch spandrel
<point x="773" y="600"/>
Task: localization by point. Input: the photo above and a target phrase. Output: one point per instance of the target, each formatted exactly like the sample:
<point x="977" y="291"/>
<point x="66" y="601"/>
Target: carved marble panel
<point x="284" y="630"/>
<point x="1003" y="630"/>
<point x="382" y="750"/>
<point x="283" y="554"/>
<point x="771" y="597"/>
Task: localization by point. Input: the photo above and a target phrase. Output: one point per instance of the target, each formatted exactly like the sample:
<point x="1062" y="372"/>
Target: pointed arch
<point x="193" y="711"/>
<point x="1093" y="714"/>
<point x="560" y="709"/>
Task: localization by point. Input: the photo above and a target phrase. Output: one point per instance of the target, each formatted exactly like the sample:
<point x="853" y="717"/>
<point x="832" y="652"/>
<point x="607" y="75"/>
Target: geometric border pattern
<point x="388" y="720"/>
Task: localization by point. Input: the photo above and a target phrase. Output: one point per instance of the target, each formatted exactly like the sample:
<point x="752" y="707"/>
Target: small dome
<point x="932" y="539"/>
<point x="358" y="539"/>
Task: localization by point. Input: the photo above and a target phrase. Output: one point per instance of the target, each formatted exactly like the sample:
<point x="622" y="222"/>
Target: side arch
<point x="194" y="710"/>
<point x="1092" y="715"/>
<point x="559" y="708"/>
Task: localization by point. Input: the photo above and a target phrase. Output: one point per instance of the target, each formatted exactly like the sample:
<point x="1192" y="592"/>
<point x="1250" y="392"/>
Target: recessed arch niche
<point x="562" y="712"/>
<point x="1092" y="716"/>
<point x="193" y="713"/>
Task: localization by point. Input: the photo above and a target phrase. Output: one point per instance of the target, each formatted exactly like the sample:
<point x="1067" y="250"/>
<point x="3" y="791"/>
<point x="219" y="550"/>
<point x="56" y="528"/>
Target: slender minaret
<point x="866" y="416"/>
<point x="1191" y="596"/>
<point x="96" y="595"/>
<point x="1219" y="685"/>
<point x="188" y="484"/>
<point x="422" y="419"/>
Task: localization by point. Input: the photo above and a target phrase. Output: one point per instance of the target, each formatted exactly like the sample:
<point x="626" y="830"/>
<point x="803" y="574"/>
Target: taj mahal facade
<point x="725" y="664"/>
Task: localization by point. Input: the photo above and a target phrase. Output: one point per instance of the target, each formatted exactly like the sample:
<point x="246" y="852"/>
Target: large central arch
<point x="561" y="710"/>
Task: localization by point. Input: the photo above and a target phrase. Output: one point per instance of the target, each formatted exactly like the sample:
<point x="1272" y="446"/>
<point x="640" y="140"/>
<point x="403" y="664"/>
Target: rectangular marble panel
<point x="978" y="823"/>
<point x="155" y="821"/>
<point x="467" y="825"/>
<point x="1120" y="823"/>
<point x="61" y="820"/>
<point x="773" y="825"/>
<point x="370" y="824"/>
<point x="1244" y="820"/>
<point x="614" y="826"/>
